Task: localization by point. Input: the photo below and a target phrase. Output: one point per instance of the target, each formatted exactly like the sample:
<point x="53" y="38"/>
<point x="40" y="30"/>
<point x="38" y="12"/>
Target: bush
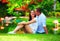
<point x="3" y="9"/>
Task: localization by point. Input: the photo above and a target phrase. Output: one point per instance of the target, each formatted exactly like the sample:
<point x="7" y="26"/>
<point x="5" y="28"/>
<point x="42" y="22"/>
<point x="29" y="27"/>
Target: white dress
<point x="33" y="26"/>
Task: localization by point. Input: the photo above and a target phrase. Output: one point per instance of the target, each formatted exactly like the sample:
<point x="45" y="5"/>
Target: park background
<point x="21" y="9"/>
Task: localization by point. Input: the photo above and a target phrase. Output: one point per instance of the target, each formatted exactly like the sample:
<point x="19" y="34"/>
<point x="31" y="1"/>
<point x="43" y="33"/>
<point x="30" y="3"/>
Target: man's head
<point x="38" y="11"/>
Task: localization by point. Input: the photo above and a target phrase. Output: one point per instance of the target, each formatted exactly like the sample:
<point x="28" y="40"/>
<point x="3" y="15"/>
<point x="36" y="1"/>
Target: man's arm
<point x="45" y="29"/>
<point x="44" y="25"/>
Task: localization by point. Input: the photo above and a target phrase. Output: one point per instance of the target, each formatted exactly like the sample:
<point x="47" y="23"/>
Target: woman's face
<point x="32" y="13"/>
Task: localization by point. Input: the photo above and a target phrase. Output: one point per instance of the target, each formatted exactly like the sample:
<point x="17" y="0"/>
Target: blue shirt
<point x="41" y="22"/>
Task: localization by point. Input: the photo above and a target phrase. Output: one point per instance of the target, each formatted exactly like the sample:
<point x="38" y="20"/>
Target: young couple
<point x="36" y="23"/>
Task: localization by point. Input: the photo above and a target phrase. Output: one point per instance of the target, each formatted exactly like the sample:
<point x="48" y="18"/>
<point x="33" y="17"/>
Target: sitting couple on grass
<point x="36" y="23"/>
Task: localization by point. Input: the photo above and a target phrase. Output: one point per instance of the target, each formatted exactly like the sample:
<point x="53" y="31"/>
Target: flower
<point x="4" y="1"/>
<point x="23" y="8"/>
<point x="18" y="9"/>
<point x="7" y="24"/>
<point x="2" y="18"/>
<point x="55" y="21"/>
<point x="2" y="27"/>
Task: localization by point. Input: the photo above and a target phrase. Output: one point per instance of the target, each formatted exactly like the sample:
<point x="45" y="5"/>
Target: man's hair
<point x="38" y="10"/>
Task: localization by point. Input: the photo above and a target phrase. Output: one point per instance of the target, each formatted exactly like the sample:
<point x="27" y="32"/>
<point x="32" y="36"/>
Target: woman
<point x="30" y="28"/>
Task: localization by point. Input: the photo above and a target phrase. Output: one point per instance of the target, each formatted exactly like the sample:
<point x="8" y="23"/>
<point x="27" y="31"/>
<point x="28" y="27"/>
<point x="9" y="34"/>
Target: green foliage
<point x="58" y="32"/>
<point x="45" y="5"/>
<point x="12" y="5"/>
<point x="58" y="6"/>
<point x="3" y="9"/>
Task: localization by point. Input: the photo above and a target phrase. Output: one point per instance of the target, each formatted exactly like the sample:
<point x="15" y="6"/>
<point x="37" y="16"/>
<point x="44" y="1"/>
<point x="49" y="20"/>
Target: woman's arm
<point x="29" y="22"/>
<point x="32" y="21"/>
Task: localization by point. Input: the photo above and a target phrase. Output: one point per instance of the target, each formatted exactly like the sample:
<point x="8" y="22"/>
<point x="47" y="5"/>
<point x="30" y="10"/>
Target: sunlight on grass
<point x="29" y="37"/>
<point x="16" y="38"/>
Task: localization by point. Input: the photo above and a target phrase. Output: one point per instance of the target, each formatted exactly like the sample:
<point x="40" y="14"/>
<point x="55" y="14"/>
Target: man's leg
<point x="28" y="29"/>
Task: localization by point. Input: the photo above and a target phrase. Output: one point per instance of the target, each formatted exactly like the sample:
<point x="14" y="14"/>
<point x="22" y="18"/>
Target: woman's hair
<point x="30" y="18"/>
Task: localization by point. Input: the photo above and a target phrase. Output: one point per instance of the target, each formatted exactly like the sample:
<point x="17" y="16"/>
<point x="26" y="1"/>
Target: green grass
<point x="32" y="37"/>
<point x="29" y="37"/>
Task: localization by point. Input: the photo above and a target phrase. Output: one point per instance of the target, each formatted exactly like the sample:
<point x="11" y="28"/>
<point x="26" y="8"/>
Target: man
<point x="41" y="21"/>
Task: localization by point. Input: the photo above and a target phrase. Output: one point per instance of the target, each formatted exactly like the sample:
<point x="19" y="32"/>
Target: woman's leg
<point x="28" y="29"/>
<point x="18" y="27"/>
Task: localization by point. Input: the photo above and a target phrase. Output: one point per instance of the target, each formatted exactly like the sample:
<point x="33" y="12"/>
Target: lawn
<point x="32" y="37"/>
<point x="29" y="37"/>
